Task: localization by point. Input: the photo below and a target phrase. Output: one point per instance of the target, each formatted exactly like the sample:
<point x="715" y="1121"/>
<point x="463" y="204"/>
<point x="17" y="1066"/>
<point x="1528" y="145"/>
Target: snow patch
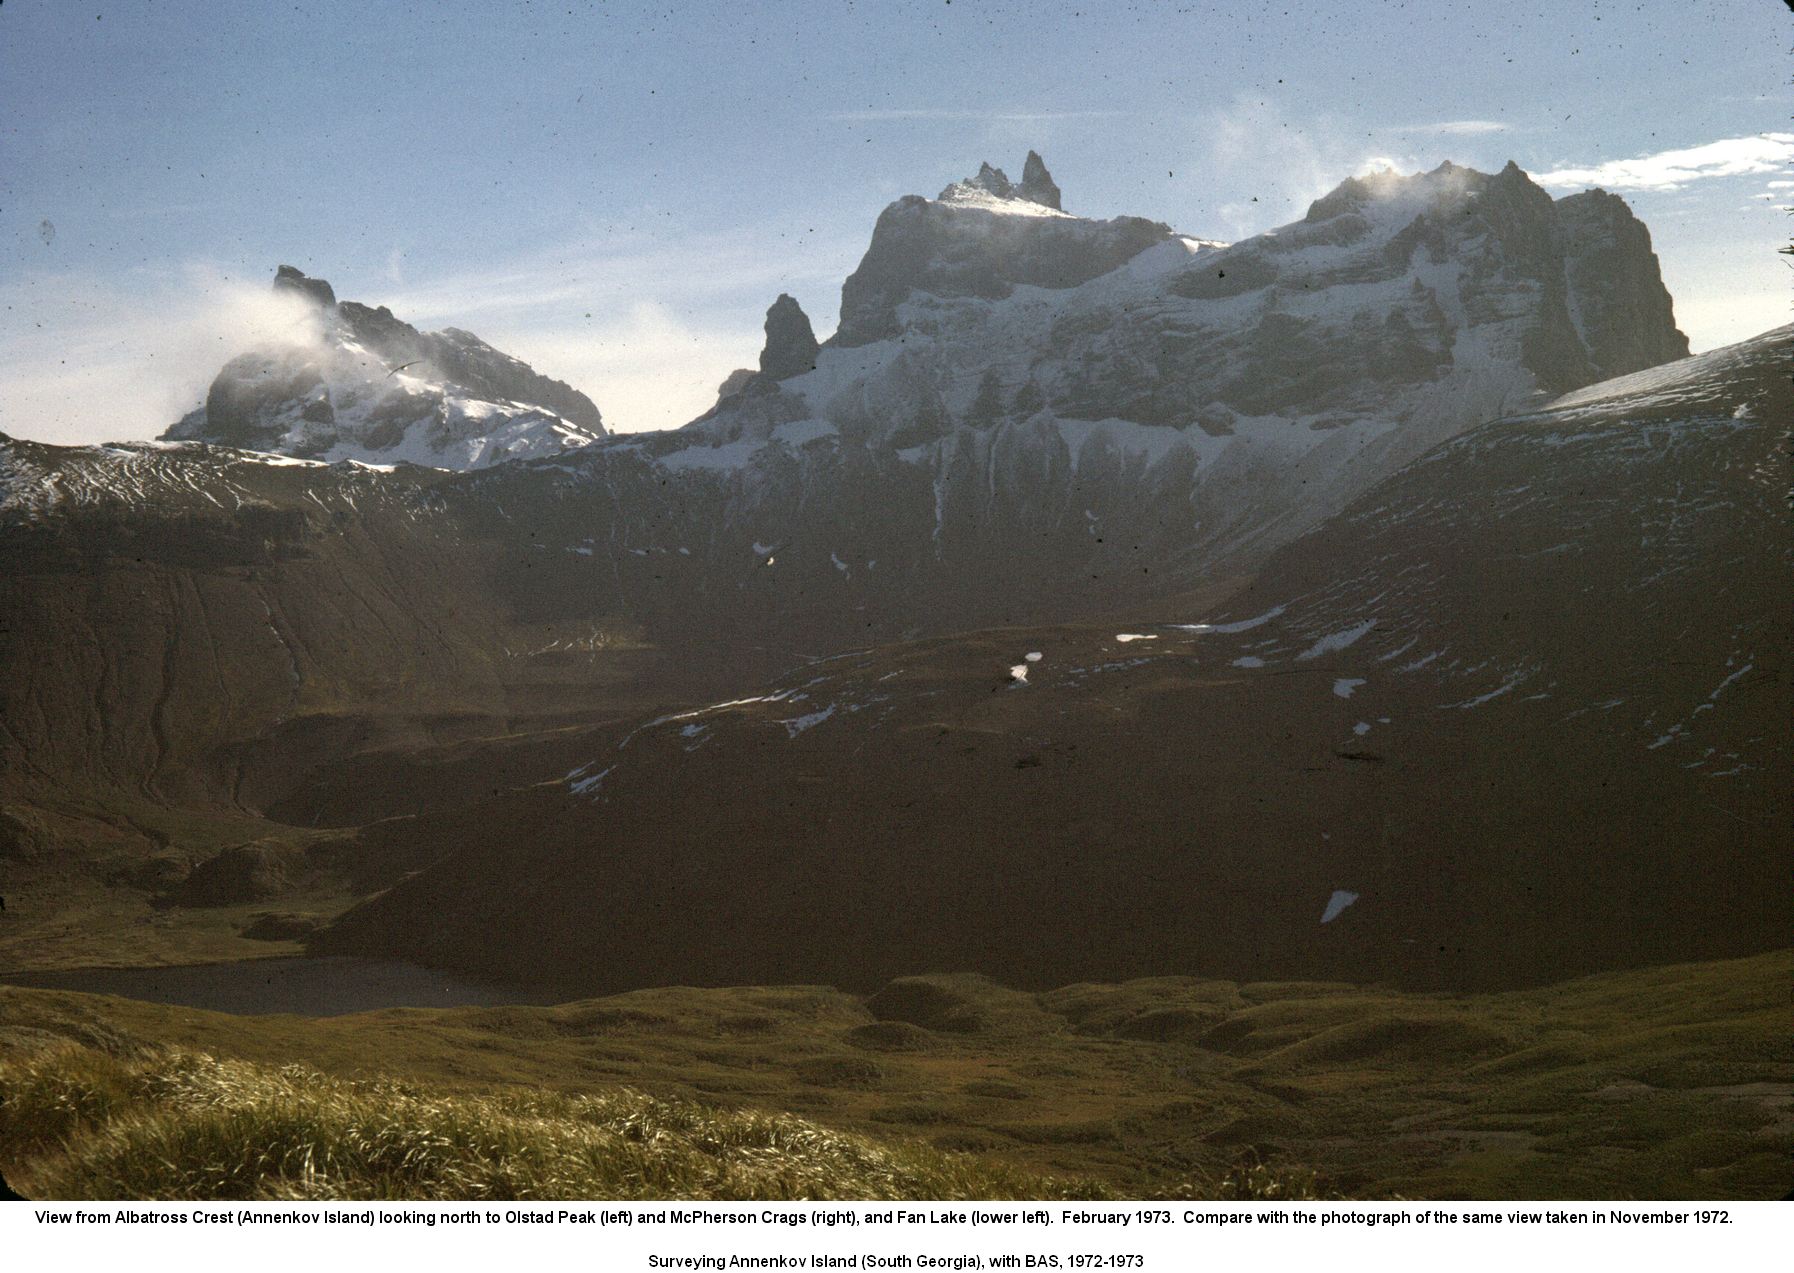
<point x="798" y="724"/>
<point x="1338" y="640"/>
<point x="586" y="786"/>
<point x="1239" y="625"/>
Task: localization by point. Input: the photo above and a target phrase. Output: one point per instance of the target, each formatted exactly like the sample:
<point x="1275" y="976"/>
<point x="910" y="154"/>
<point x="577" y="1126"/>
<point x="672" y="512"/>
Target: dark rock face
<point x="316" y="290"/>
<point x="734" y="382"/>
<point x="791" y="346"/>
<point x="1623" y="310"/>
<point x="1037" y="183"/>
<point x="1324" y="354"/>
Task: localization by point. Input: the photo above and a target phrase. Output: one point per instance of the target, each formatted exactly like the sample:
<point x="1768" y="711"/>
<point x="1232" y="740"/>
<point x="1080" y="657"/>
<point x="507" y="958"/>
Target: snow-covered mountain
<point x="989" y="334"/>
<point x="1008" y="372"/>
<point x="356" y="383"/>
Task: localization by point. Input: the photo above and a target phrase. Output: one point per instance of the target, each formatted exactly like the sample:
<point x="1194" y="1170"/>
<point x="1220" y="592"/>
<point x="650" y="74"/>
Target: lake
<point x="311" y="987"/>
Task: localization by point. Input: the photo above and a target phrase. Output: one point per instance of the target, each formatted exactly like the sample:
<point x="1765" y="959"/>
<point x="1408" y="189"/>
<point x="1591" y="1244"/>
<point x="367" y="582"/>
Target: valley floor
<point x="1665" y="1082"/>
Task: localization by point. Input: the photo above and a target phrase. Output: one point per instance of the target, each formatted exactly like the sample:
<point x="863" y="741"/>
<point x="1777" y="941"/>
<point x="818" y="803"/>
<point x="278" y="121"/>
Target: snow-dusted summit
<point x="356" y="383"/>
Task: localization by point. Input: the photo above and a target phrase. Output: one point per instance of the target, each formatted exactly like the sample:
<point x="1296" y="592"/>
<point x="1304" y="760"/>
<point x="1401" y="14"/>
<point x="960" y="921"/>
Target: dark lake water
<point x="327" y="987"/>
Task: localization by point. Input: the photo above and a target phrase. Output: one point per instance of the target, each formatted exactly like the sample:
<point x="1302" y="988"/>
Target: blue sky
<point x="615" y="192"/>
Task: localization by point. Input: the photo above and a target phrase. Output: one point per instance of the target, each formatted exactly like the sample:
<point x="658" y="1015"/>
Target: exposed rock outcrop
<point x="1620" y="308"/>
<point x="246" y="873"/>
<point x="791" y="346"/>
<point x="289" y="279"/>
<point x="1037" y="183"/>
<point x="734" y="383"/>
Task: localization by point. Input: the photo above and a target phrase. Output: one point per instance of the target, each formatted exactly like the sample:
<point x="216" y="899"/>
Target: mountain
<point x="354" y="383"/>
<point x="1518" y="711"/>
<point x="999" y="342"/>
<point x="273" y="625"/>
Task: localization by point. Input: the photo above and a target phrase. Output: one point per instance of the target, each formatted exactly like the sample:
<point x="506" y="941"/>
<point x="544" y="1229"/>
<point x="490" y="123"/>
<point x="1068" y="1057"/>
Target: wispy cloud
<point x="647" y="325"/>
<point x="986" y="116"/>
<point x="610" y="268"/>
<point x="89" y="359"/>
<point x="1281" y="162"/>
<point x="1674" y="169"/>
<point x="1454" y="128"/>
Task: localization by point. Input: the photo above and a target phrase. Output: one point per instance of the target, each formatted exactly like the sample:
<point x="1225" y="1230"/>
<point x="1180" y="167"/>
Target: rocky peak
<point x="1623" y="311"/>
<point x="982" y="237"/>
<point x="1036" y="186"/>
<point x="988" y="180"/>
<point x="289" y="279"/>
<point x="791" y="346"/>
<point x="1037" y="183"/>
<point x="369" y="385"/>
<point x="1596" y="306"/>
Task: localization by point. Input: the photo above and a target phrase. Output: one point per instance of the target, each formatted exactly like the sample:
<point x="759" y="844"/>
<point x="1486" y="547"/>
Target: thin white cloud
<point x="1674" y="169"/>
<point x="609" y="269"/>
<point x="991" y="116"/>
<point x="647" y="326"/>
<point x="1455" y="128"/>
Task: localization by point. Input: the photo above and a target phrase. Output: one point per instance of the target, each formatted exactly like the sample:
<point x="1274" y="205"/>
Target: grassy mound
<point x="171" y="1124"/>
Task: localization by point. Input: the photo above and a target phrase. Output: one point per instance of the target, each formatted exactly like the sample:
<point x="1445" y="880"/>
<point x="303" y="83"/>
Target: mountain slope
<point x="1519" y="711"/>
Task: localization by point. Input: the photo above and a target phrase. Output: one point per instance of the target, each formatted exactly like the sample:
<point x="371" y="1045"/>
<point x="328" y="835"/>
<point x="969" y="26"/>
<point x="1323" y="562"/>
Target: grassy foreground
<point x="1669" y="1082"/>
<point x="181" y="1125"/>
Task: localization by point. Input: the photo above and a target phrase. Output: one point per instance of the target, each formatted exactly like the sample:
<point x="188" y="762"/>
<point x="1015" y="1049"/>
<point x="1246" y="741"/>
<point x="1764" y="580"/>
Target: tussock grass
<point x="171" y="1124"/>
<point x="1671" y="1082"/>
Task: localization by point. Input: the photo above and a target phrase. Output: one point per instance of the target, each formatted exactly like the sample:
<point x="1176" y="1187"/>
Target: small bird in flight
<point x="396" y="370"/>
